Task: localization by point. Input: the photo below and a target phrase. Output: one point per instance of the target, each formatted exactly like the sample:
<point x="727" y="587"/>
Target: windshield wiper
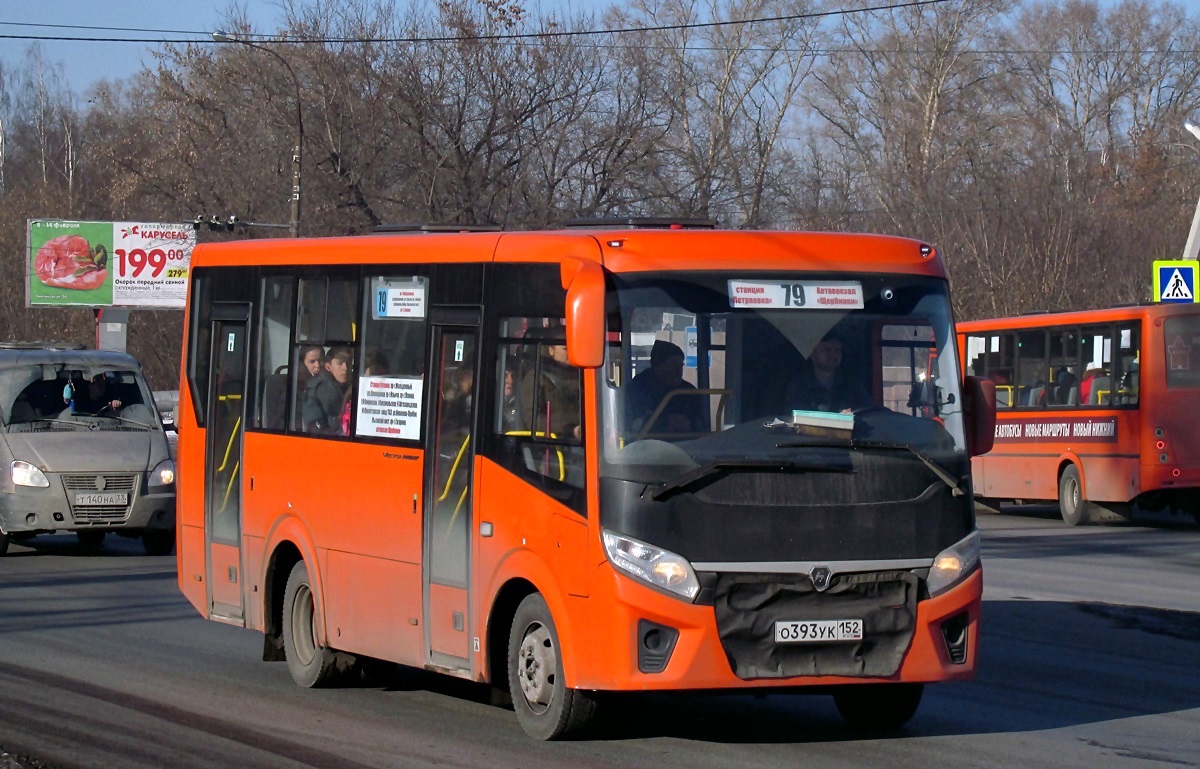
<point x="112" y="416"/>
<point x="937" y="469"/>
<point x="720" y="465"/>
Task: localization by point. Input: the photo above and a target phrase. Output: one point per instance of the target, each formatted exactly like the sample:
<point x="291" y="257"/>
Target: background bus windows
<point x="1032" y="369"/>
<point x="993" y="357"/>
<point x="1181" y="335"/>
<point x="1128" y="364"/>
<point x="1065" y="367"/>
<point x="1095" y="386"/>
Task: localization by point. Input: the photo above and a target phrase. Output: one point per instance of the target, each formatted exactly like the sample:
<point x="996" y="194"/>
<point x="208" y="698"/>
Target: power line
<point x="559" y="34"/>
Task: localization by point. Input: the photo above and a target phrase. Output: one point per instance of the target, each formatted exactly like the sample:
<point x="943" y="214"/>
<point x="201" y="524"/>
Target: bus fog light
<point x="954" y="564"/>
<point x="25" y="474"/>
<point x="660" y="568"/>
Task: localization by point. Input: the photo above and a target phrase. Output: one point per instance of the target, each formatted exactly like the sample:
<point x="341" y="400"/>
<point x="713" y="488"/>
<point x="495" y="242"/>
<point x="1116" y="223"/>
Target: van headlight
<point x="163" y="474"/>
<point x="954" y="564"/>
<point x="653" y="565"/>
<point x="25" y="474"/>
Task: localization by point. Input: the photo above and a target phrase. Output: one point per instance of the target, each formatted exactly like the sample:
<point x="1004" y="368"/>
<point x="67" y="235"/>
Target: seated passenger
<point x="683" y="413"/>
<point x="553" y="392"/>
<point x="325" y="399"/>
<point x="823" y="385"/>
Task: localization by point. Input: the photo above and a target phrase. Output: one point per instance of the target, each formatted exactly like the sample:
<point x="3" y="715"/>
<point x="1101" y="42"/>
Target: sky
<point x="84" y="63"/>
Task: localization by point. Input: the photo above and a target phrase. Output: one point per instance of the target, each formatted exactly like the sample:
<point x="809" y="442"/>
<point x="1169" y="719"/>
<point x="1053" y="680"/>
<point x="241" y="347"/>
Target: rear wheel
<point x="1074" y="508"/>
<point x="158" y="541"/>
<point x="91" y="537"/>
<point x="876" y="707"/>
<point x="310" y="664"/>
<point x="545" y="707"/>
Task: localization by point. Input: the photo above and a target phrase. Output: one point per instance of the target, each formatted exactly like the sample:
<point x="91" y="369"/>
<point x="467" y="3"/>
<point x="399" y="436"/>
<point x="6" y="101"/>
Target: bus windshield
<point x="710" y="367"/>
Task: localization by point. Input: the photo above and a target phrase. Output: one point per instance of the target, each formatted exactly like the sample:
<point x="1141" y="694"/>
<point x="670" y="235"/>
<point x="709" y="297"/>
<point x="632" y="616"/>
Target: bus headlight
<point x="25" y="474"/>
<point x="653" y="565"/>
<point x="954" y="564"/>
<point x="163" y="474"/>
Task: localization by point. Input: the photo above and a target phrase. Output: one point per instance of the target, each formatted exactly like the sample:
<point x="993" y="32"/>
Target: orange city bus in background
<point x="1095" y="409"/>
<point x="489" y="508"/>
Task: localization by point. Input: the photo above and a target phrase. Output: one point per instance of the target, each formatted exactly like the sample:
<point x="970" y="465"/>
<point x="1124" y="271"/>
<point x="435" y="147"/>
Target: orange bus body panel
<point x="355" y="511"/>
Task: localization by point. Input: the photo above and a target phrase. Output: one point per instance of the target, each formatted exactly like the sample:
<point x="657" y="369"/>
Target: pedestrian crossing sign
<point x="1175" y="280"/>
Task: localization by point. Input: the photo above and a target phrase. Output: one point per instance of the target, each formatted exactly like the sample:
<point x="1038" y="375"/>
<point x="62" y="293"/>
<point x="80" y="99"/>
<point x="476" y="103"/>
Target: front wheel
<point x="878" y="707"/>
<point x="545" y="707"/>
<point x="158" y="541"/>
<point x="1074" y="508"/>
<point x="310" y="663"/>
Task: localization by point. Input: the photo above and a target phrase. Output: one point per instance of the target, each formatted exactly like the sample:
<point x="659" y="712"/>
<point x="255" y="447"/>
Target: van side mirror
<point x="584" y="281"/>
<point x="979" y="414"/>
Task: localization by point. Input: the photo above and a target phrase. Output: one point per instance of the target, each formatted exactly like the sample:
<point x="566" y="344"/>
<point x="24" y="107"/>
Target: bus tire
<point x="90" y="537"/>
<point x="878" y="707"/>
<point x="1074" y="508"/>
<point x="310" y="664"/>
<point x="545" y="707"/>
<point x="158" y="541"/>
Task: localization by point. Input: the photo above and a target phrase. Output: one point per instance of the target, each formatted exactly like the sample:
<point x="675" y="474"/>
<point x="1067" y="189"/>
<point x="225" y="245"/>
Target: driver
<point x="100" y="398"/>
<point x="683" y="413"/>
<point x="823" y="385"/>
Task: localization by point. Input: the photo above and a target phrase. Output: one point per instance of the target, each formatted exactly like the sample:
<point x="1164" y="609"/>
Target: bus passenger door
<point x="448" y="493"/>
<point x="223" y="461"/>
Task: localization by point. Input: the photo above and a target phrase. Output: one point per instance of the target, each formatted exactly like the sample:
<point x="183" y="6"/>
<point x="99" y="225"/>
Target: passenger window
<point x="326" y="315"/>
<point x="387" y="391"/>
<point x="274" y="370"/>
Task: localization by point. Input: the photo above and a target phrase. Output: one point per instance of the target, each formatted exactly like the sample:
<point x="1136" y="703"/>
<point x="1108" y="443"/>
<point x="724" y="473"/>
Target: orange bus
<point x="469" y="486"/>
<point x="1092" y="409"/>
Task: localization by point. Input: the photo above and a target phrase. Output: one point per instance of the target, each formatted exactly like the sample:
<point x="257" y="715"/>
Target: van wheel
<point x="91" y="537"/>
<point x="158" y="541"/>
<point x="1074" y="508"/>
<point x="310" y="664"/>
<point x="878" y="707"/>
<point x="545" y="707"/>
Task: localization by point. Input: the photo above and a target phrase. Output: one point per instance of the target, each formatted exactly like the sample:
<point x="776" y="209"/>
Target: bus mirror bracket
<point x="979" y="395"/>
<point x="584" y="281"/>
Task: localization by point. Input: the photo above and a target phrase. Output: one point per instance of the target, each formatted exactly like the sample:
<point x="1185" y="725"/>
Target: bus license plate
<point x="819" y="631"/>
<point x="94" y="498"/>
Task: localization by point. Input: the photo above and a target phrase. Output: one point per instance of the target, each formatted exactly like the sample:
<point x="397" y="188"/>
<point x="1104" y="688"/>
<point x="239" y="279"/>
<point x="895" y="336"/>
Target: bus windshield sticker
<point x="398" y="298"/>
<point x="389" y="407"/>
<point x="796" y="294"/>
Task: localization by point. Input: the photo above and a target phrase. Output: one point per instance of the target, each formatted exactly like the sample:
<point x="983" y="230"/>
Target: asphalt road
<point x="1089" y="659"/>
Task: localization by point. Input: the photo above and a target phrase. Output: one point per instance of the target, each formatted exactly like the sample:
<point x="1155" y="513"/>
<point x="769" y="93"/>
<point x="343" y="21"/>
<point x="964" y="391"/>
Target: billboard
<point x="108" y="264"/>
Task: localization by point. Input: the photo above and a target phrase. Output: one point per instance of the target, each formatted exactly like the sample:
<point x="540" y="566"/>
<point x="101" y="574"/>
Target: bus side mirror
<point x="979" y="414"/>
<point x="584" y="281"/>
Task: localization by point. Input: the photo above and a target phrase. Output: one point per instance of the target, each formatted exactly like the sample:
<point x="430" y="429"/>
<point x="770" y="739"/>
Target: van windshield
<point x="66" y="396"/>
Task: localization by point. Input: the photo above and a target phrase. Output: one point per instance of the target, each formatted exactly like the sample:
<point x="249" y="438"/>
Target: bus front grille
<point x="748" y="606"/>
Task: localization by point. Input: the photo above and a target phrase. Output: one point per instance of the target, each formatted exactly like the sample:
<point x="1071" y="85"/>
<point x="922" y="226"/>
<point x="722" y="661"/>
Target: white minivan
<point x="82" y="448"/>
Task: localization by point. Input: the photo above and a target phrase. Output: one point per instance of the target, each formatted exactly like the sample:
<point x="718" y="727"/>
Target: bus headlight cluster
<point x="25" y="474"/>
<point x="163" y="473"/>
<point x="653" y="565"/>
<point x="954" y="564"/>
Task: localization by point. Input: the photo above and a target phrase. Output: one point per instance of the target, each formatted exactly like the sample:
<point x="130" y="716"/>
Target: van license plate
<point x="93" y="498"/>
<point x="819" y="631"/>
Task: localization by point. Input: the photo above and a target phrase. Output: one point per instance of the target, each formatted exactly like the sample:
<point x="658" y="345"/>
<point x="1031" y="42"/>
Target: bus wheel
<point x="158" y="541"/>
<point x="545" y="707"/>
<point x="877" y="707"/>
<point x="1074" y="508"/>
<point x="91" y="537"/>
<point x="310" y="664"/>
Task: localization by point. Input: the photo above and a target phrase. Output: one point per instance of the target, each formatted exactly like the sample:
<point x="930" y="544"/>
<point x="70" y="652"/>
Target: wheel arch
<point x="500" y="618"/>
